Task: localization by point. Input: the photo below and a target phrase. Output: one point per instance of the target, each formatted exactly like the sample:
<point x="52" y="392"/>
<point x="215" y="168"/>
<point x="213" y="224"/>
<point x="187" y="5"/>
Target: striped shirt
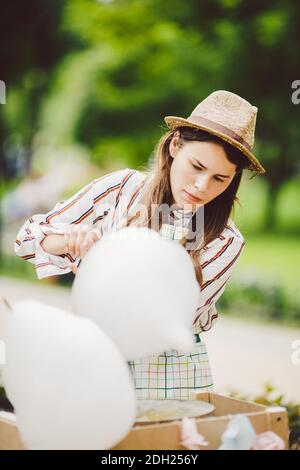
<point x="103" y="204"/>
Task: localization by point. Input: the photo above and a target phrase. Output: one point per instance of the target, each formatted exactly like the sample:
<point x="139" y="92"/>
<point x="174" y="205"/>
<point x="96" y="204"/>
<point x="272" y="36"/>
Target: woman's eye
<point x="200" y="169"/>
<point x="196" y="167"/>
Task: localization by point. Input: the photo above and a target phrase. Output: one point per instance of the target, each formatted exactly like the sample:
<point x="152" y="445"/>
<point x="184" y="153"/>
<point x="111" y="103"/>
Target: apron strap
<point x="197" y="338"/>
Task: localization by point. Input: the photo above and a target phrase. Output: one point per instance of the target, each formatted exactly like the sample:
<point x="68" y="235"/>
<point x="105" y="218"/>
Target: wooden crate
<point x="9" y="434"/>
<point x="212" y="426"/>
<point x="166" y="436"/>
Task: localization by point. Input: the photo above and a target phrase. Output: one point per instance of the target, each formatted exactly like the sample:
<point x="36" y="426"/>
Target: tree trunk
<point x="270" y="221"/>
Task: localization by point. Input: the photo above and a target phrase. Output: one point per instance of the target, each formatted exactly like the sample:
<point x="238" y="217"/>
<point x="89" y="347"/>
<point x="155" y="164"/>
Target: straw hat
<point x="227" y="116"/>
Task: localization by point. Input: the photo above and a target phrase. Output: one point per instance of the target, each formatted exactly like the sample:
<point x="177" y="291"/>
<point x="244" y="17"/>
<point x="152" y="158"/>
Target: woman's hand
<point x="79" y="239"/>
<point x="76" y="241"/>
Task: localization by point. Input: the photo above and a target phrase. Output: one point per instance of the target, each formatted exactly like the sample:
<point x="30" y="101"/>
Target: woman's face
<point x="199" y="169"/>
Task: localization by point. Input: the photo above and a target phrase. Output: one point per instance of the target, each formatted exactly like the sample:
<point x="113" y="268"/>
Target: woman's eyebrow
<point x="223" y="176"/>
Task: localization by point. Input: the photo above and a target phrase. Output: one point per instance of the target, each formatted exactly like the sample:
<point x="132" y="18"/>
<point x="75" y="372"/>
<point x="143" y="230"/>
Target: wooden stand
<point x="166" y="436"/>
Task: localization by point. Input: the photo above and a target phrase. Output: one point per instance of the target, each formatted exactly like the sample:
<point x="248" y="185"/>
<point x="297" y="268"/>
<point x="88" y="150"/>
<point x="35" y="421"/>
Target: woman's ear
<point x="174" y="144"/>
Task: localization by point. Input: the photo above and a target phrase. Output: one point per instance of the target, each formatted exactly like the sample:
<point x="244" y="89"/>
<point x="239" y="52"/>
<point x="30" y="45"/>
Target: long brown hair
<point x="217" y="211"/>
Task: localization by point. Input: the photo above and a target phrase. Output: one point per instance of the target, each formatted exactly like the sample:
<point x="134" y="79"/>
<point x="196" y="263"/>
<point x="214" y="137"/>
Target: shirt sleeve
<point x="217" y="263"/>
<point x="78" y="209"/>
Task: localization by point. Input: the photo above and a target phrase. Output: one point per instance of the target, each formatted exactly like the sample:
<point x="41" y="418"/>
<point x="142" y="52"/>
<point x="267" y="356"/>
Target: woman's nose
<point x="202" y="183"/>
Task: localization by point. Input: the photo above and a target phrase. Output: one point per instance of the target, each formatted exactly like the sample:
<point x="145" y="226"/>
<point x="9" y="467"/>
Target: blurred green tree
<point x="31" y="46"/>
<point x="117" y="67"/>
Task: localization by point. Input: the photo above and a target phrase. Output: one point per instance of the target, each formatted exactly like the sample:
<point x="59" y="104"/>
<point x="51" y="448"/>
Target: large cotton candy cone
<point x="141" y="290"/>
<point x="69" y="384"/>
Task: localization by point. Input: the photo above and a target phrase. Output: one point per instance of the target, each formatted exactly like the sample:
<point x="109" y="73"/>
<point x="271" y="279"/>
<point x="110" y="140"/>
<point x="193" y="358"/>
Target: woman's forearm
<point x="76" y="241"/>
<point x="54" y="244"/>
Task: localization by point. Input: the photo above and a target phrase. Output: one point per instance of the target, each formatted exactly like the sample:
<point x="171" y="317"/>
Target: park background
<point x="87" y="86"/>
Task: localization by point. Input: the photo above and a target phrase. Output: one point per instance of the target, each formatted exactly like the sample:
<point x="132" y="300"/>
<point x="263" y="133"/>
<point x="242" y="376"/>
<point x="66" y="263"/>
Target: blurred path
<point x="243" y="355"/>
<point x="16" y="289"/>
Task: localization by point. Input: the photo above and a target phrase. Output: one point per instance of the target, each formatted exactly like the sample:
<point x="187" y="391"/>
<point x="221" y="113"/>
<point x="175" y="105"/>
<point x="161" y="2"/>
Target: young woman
<point x="198" y="166"/>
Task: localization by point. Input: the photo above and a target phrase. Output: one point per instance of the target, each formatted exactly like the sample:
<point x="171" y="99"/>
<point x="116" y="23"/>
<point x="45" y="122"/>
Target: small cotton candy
<point x="70" y="386"/>
<point x="190" y="437"/>
<point x="141" y="290"/>
<point x="239" y="434"/>
<point x="268" y="441"/>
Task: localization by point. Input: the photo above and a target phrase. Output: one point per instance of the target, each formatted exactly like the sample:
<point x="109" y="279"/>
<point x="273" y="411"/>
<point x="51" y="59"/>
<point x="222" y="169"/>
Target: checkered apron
<point x="173" y="374"/>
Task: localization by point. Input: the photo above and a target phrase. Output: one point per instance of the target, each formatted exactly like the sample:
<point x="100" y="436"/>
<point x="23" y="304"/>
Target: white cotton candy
<point x="141" y="290"/>
<point x="5" y="312"/>
<point x="69" y="384"/>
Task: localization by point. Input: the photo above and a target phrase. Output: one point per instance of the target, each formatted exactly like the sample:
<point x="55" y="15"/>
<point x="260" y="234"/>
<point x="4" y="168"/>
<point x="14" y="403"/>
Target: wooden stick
<point x="6" y="303"/>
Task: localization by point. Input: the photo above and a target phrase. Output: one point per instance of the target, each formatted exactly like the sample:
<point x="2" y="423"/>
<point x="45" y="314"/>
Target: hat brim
<point x="173" y="122"/>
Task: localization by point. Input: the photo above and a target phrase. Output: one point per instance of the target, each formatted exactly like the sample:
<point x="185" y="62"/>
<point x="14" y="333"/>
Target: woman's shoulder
<point x="231" y="230"/>
<point x="133" y="180"/>
<point x="117" y="175"/>
<point x="125" y="179"/>
<point x="120" y="188"/>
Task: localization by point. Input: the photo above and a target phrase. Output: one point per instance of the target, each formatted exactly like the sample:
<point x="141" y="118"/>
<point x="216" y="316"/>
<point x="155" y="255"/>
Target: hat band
<point x="215" y="126"/>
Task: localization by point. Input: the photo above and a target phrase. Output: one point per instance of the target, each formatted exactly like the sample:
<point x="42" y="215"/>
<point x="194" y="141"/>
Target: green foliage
<point x="11" y="265"/>
<point x="288" y="207"/>
<point x="250" y="215"/>
<point x="153" y="68"/>
<point x="260" y="299"/>
<point x="265" y="284"/>
<point x="274" y="257"/>
<point x="114" y="69"/>
<point x="64" y="105"/>
<point x="271" y="26"/>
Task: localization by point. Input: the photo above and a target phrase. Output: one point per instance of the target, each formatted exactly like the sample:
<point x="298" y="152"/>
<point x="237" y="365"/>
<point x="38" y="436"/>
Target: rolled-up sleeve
<point x="217" y="263"/>
<point x="78" y="209"/>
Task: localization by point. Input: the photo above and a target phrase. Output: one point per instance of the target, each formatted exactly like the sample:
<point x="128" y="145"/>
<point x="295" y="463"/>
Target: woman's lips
<point x="191" y="197"/>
